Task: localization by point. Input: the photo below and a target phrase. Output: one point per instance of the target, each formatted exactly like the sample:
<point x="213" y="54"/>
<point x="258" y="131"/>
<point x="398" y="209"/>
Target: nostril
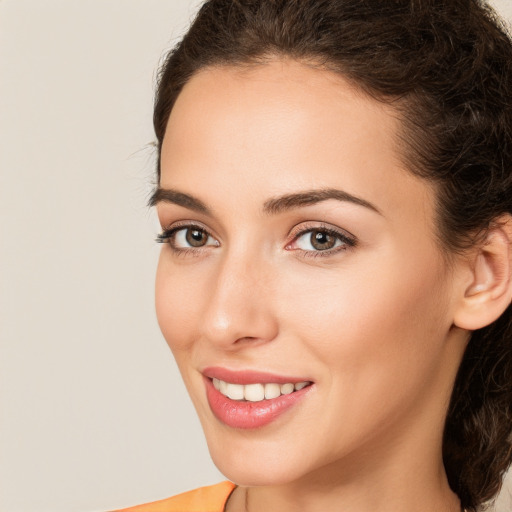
<point x="250" y="340"/>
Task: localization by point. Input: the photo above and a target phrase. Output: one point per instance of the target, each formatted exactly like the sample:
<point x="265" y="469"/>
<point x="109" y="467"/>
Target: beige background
<point x="93" y="414"/>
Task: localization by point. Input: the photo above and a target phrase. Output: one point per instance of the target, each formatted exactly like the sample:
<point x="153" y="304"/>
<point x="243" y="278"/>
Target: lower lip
<point x="247" y="415"/>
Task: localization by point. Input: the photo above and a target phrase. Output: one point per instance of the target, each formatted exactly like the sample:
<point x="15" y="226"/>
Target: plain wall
<point x="93" y="414"/>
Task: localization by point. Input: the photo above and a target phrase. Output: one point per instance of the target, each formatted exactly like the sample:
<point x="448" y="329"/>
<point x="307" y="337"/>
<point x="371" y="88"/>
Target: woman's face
<point x="300" y="250"/>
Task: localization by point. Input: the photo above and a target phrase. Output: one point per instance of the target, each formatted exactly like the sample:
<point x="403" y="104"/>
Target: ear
<point x="488" y="289"/>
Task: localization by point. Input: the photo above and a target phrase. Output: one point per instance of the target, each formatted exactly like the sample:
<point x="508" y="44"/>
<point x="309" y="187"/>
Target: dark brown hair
<point x="446" y="65"/>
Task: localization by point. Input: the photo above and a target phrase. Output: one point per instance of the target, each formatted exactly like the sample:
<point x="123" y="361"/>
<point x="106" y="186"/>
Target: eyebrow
<point x="167" y="195"/>
<point x="271" y="206"/>
<point x="309" y="197"/>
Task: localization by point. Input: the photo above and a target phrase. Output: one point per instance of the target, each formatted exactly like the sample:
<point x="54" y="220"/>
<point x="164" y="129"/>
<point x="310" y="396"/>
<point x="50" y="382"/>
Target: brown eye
<point x="321" y="240"/>
<point x="187" y="237"/>
<point x="196" y="237"/>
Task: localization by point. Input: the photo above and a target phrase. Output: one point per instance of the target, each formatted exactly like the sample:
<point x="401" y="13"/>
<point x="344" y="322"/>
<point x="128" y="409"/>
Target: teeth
<point x="286" y="389"/>
<point x="272" y="391"/>
<point x="235" y="391"/>
<point x="256" y="392"/>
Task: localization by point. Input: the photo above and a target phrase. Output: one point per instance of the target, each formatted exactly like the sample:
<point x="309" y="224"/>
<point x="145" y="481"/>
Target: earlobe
<point x="489" y="292"/>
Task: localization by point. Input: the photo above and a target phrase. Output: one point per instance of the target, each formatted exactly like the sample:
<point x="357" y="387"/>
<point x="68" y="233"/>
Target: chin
<point x="255" y="473"/>
<point x="255" y="459"/>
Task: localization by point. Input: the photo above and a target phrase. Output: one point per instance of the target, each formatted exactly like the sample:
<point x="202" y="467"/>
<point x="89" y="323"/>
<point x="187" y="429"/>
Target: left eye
<point x="192" y="237"/>
<point x="319" y="240"/>
<point x="187" y="237"/>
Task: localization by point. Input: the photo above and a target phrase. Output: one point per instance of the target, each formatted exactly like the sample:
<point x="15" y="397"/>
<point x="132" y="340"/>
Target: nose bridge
<point x="240" y="305"/>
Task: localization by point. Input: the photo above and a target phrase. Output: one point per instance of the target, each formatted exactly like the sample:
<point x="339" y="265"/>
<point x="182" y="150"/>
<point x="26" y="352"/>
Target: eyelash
<point x="348" y="241"/>
<point x="168" y="235"/>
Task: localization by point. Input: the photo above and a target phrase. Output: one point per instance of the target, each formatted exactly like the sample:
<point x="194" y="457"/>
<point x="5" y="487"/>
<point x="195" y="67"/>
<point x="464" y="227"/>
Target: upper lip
<point x="249" y="376"/>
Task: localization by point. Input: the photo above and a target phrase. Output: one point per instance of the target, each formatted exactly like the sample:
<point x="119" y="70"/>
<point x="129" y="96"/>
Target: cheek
<point x="376" y="341"/>
<point x="177" y="303"/>
<point x="372" y="326"/>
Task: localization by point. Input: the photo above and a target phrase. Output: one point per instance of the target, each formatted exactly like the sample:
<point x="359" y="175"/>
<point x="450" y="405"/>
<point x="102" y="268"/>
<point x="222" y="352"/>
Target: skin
<point x="372" y="324"/>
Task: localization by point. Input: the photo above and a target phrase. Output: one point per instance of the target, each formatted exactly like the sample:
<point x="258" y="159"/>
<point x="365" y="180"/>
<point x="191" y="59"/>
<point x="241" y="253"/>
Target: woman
<point x="335" y="196"/>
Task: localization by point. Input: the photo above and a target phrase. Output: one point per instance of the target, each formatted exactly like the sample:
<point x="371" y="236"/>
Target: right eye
<point x="187" y="238"/>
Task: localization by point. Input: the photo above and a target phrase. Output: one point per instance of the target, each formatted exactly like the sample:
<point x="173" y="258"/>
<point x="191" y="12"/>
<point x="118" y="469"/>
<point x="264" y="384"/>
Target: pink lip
<point x="249" y="415"/>
<point x="248" y="376"/>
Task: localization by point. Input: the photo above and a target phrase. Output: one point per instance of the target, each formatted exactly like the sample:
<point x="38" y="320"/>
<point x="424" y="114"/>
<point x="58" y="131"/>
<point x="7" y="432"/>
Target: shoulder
<point x="204" y="499"/>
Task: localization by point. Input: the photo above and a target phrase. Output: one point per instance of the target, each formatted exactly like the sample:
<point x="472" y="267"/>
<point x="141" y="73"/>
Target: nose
<point x="239" y="307"/>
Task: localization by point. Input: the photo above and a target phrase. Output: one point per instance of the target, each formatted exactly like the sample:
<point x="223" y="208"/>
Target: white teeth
<point x="287" y="388"/>
<point x="256" y="392"/>
<point x="235" y="391"/>
<point x="272" y="391"/>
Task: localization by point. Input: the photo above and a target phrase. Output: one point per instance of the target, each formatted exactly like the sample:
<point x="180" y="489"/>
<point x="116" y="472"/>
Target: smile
<point x="256" y="392"/>
<point x="250" y="400"/>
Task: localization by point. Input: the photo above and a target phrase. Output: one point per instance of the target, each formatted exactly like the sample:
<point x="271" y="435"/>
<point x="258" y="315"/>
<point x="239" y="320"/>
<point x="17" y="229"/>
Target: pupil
<point x="322" y="240"/>
<point x="196" y="237"/>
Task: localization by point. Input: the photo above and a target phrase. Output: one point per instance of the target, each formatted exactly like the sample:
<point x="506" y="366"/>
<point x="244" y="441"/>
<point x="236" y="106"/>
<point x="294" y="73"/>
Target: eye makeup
<point x="335" y="240"/>
<point x="187" y="237"/>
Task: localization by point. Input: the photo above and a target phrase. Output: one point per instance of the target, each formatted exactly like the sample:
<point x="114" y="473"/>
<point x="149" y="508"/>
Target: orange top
<point x="205" y="499"/>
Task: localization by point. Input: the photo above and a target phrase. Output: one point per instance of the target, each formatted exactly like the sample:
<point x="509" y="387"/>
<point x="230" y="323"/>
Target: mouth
<point x="257" y="392"/>
<point x="249" y="400"/>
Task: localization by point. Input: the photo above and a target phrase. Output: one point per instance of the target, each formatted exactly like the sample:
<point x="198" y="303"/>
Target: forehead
<point x="283" y="126"/>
